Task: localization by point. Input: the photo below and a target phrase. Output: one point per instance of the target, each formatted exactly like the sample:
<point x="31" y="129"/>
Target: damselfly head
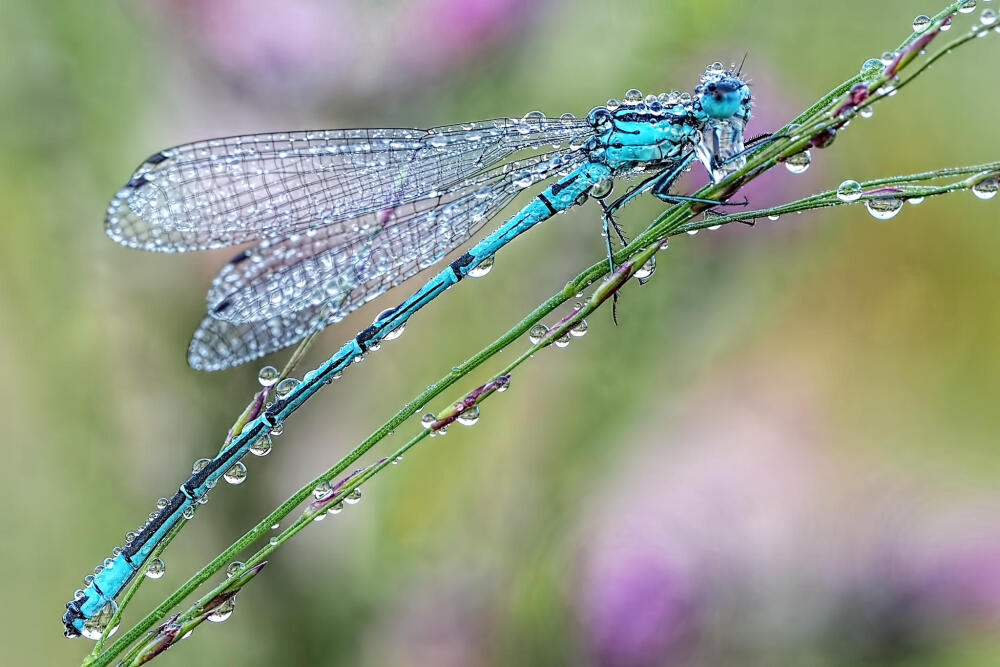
<point x="722" y="95"/>
<point x="722" y="103"/>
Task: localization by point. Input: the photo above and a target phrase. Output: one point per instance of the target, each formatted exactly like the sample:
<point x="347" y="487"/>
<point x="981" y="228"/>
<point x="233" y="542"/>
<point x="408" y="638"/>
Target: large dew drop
<point x="799" y="162"/>
<point x="469" y="416"/>
<point x="268" y="376"/>
<point x="156" y="568"/>
<point x="223" y="611"/>
<point x="986" y="188"/>
<point x="94" y="627"/>
<point x="884" y="208"/>
<point x="872" y="69"/>
<point x="236" y="475"/>
<point x="285" y="387"/>
<point x="646" y="270"/>
<point x="482" y="269"/>
<point x="921" y="23"/>
<point x="967" y="7"/>
<point x="261" y="446"/>
<point x="537" y="333"/>
<point x="396" y="333"/>
<point x="849" y="191"/>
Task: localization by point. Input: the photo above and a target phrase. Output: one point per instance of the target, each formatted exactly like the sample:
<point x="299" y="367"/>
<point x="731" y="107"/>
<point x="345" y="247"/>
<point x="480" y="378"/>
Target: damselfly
<point x="343" y="215"/>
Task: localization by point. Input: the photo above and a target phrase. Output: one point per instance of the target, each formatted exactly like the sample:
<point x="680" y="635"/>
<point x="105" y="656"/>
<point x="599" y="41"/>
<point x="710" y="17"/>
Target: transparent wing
<point x="217" y="345"/>
<point x="221" y="192"/>
<point x="278" y="292"/>
<point x="288" y="273"/>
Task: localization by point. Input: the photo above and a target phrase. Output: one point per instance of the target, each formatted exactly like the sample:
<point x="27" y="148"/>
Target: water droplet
<point x="88" y="580"/>
<point x="93" y="627"/>
<point x="849" y="191"/>
<point x="392" y="335"/>
<point x="562" y="341"/>
<point x="986" y="188"/>
<point x="261" y="446"/>
<point x="336" y="508"/>
<point x="278" y="429"/>
<point x="322" y="489"/>
<point x="915" y="200"/>
<point x="483" y="268"/>
<point x="773" y="218"/>
<point x="580" y="329"/>
<point x="199" y="464"/>
<point x="872" y="69"/>
<point x="109" y="563"/>
<point x="503" y="384"/>
<point x="921" y="23"/>
<point x="285" y="387"/>
<point x="646" y="270"/>
<point x="353" y="498"/>
<point x="523" y="179"/>
<point x="988" y="17"/>
<point x="888" y="57"/>
<point x="156" y="568"/>
<point x="866" y="112"/>
<point x="884" y="208"/>
<point x="233" y="568"/>
<point x="161" y="503"/>
<point x="602" y="188"/>
<point x="375" y="346"/>
<point x="78" y="593"/>
<point x="469" y="416"/>
<point x="188" y="512"/>
<point x="273" y="541"/>
<point x="268" y="376"/>
<point x="967" y="6"/>
<point x="612" y="104"/>
<point x="799" y="162"/>
<point x="633" y="96"/>
<point x="716" y="68"/>
<point x="223" y="611"/>
<point x="236" y="475"/>
<point x="537" y="333"/>
<point x="428" y="420"/>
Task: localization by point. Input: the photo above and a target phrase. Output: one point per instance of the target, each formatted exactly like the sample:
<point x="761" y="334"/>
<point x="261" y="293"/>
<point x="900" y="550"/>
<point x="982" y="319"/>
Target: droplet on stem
<point x="884" y="208"/>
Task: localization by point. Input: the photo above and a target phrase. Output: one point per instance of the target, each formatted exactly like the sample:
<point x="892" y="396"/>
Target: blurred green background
<point x="784" y="454"/>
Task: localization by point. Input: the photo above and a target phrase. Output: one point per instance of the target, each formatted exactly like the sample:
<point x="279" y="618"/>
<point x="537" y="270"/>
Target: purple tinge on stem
<point x="470" y="400"/>
<point x="336" y="488"/>
<point x="914" y="47"/>
<point x="856" y="95"/>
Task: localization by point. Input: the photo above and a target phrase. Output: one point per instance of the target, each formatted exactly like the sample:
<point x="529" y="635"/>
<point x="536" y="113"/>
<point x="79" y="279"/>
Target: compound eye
<point x="599" y="118"/>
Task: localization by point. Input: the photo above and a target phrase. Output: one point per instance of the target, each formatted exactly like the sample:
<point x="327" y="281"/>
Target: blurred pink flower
<point x="729" y="539"/>
<point x="637" y="607"/>
<point x="313" y="48"/>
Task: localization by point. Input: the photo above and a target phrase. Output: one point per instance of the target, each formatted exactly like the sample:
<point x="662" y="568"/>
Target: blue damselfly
<point x="341" y="216"/>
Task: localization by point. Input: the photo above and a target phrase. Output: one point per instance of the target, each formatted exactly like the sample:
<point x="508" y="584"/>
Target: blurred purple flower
<point x="962" y="581"/>
<point x="740" y="539"/>
<point x="275" y="44"/>
<point x="436" y="34"/>
<point x="312" y="48"/>
<point x="637" y="607"/>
